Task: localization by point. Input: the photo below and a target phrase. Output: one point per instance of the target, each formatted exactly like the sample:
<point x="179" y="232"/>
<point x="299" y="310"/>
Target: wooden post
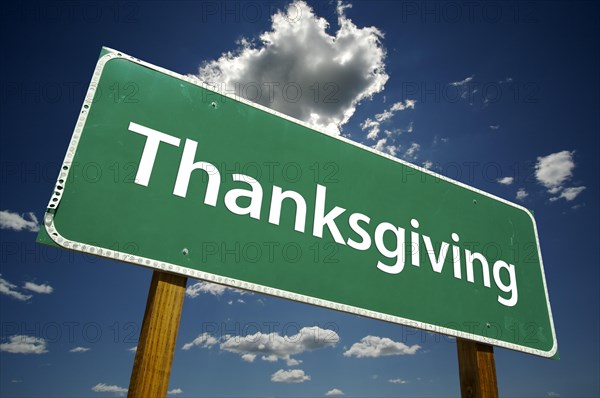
<point x="477" y="370"/>
<point x="156" y="346"/>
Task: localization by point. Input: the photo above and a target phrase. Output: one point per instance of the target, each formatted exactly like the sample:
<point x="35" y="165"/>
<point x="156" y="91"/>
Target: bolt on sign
<point x="165" y="172"/>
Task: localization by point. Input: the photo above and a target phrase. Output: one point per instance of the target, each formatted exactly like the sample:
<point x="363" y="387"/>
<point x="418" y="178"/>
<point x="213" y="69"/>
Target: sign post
<point x="156" y="345"/>
<point x="477" y="369"/>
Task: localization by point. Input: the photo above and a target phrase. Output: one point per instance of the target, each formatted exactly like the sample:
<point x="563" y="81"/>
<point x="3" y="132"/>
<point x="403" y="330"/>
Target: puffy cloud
<point x="11" y="290"/>
<point x="397" y="381"/>
<point x="522" y="194"/>
<point x="554" y="170"/>
<point x="569" y="194"/>
<point x="289" y="376"/>
<point x="17" y="222"/>
<point x="374" y="347"/>
<point x="79" y="349"/>
<point x="506" y="180"/>
<point x="411" y="152"/>
<point x="101" y="387"/>
<point x="41" y="289"/>
<point x="336" y="392"/>
<point x="381" y="146"/>
<point x="175" y="391"/>
<point x="205" y="340"/>
<point x="301" y="70"/>
<point x="428" y="164"/>
<point x="271" y="347"/>
<point x="21" y="344"/>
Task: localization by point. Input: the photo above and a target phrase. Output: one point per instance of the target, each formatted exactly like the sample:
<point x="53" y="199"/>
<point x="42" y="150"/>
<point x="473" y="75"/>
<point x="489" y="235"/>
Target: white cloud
<point x="17" y="222"/>
<point x="101" y="387"/>
<point x="282" y="71"/>
<point x="80" y="349"/>
<point x="374" y="347"/>
<point x="10" y="290"/>
<point x="411" y="152"/>
<point x="289" y="376"/>
<point x="553" y="394"/>
<point x="381" y="146"/>
<point x="554" y="170"/>
<point x="462" y="82"/>
<point x="522" y="194"/>
<point x="374" y="126"/>
<point x="199" y="288"/>
<point x="336" y="392"/>
<point x="21" y="344"/>
<point x="495" y="127"/>
<point x="41" y="289"/>
<point x="569" y="194"/>
<point x="132" y="349"/>
<point x="428" y="164"/>
<point x="271" y="347"/>
<point x="205" y="340"/>
<point x="397" y="381"/>
<point x="506" y="180"/>
<point x="175" y="391"/>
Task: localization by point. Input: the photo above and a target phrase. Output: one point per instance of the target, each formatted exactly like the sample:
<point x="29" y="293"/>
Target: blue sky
<point x="501" y="96"/>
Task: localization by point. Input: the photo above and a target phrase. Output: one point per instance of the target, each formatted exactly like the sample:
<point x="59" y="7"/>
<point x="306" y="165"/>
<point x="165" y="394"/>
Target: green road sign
<point x="164" y="172"/>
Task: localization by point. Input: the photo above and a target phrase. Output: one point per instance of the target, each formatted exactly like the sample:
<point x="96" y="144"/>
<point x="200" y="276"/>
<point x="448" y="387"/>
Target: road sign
<point x="164" y="172"/>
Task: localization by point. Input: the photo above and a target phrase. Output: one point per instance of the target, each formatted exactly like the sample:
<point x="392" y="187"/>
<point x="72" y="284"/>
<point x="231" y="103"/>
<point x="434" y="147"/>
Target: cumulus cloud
<point x="175" y="391"/>
<point x="506" y="180"/>
<point x="79" y="349"/>
<point x="270" y="347"/>
<point x="101" y="387"/>
<point x="41" y="289"/>
<point x="374" y="347"/>
<point x="522" y="194"/>
<point x="398" y="381"/>
<point x="301" y="70"/>
<point x="10" y="289"/>
<point x="460" y="83"/>
<point x="554" y="170"/>
<point x="289" y="376"/>
<point x="205" y="340"/>
<point x="428" y="164"/>
<point x="336" y="392"/>
<point x="17" y="222"/>
<point x="411" y="152"/>
<point x="382" y="146"/>
<point x="21" y="344"/>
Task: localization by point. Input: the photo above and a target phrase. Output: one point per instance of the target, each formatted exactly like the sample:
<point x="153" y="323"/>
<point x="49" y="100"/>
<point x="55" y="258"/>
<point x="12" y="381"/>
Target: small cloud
<point x="463" y="81"/>
<point x="375" y="347"/>
<point x="382" y="147"/>
<point x="553" y="394"/>
<point x="175" y="391"/>
<point x="554" y="170"/>
<point x="204" y="340"/>
<point x="289" y="376"/>
<point x="522" y="194"/>
<point x="79" y="349"/>
<point x="213" y="289"/>
<point x="411" y="152"/>
<point x="21" y="344"/>
<point x="428" y="164"/>
<point x="16" y="381"/>
<point x="336" y="392"/>
<point x="101" y="387"/>
<point x="41" y="289"/>
<point x="569" y="194"/>
<point x="17" y="222"/>
<point x="132" y="349"/>
<point x="397" y="381"/>
<point x="506" y="180"/>
<point x="10" y="289"/>
<point x="495" y="127"/>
